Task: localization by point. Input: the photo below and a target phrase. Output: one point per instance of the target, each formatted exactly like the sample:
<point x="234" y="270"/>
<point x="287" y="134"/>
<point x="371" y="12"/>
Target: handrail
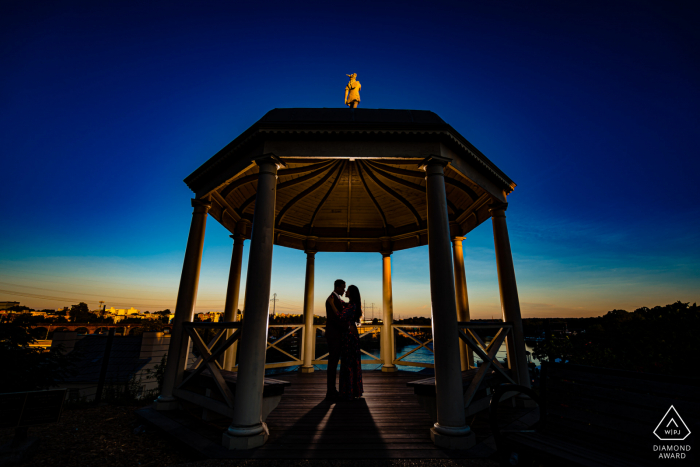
<point x="372" y="328"/>
<point x="224" y="326"/>
<point x="400" y="360"/>
<point x="209" y="357"/>
<point x="294" y="360"/>
<point x="219" y="325"/>
<point x="487" y="352"/>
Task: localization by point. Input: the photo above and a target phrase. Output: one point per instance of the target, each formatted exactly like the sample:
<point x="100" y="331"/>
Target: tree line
<point x="661" y="340"/>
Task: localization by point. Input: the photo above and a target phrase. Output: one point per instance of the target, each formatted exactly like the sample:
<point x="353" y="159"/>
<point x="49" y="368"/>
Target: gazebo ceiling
<point x="352" y="180"/>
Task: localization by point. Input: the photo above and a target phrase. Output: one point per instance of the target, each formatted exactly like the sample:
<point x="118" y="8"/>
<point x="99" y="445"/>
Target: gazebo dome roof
<point x="352" y="180"/>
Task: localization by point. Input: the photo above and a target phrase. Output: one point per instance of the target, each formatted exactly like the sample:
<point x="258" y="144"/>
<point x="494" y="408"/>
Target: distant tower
<point x="274" y="301"/>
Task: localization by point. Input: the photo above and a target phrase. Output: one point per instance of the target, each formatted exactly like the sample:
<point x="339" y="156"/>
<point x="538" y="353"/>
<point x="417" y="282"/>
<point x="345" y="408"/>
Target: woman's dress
<point x="350" y="369"/>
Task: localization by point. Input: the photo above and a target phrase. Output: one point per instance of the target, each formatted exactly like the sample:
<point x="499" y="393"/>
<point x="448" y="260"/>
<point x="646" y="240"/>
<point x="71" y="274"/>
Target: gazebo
<point x="347" y="180"/>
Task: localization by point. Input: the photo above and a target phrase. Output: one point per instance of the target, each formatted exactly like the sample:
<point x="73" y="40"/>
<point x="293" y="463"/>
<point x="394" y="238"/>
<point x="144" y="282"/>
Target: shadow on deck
<point x="386" y="423"/>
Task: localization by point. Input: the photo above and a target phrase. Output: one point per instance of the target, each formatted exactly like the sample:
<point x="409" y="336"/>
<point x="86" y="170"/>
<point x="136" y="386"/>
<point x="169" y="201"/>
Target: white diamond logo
<point x="672" y="427"/>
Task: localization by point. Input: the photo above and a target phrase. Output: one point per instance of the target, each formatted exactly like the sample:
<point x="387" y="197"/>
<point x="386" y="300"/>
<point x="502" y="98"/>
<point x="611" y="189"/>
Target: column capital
<point x="498" y="209"/>
<point x="386" y="253"/>
<point x="311" y="253"/>
<point x="387" y="246"/>
<point x="201" y="205"/>
<point x="433" y="160"/>
<point x="458" y="239"/>
<point x="242" y="226"/>
<point x="238" y="238"/>
<point x="310" y="244"/>
<point x="269" y="159"/>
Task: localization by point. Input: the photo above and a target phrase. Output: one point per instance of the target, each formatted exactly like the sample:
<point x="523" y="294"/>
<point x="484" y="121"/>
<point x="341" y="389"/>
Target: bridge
<point x="92" y="328"/>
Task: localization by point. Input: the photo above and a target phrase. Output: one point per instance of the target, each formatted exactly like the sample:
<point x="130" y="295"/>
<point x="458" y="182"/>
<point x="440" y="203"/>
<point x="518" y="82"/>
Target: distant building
<point x="7" y="305"/>
<point x="122" y="311"/>
<point x="214" y="316"/>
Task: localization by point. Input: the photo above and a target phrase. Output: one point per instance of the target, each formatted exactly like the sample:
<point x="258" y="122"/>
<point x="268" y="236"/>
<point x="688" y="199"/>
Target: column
<point x="465" y="353"/>
<point x="309" y="332"/>
<point x="510" y="304"/>
<point x="232" y="293"/>
<point x="388" y="353"/>
<point x="450" y="430"/>
<point x="184" y="307"/>
<point x="247" y="429"/>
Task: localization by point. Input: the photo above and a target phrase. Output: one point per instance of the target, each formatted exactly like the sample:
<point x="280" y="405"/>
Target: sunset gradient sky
<point x="591" y="107"/>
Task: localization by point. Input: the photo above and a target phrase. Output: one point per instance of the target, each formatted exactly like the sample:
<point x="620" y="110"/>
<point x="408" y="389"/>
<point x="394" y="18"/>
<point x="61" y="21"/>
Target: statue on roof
<point x="352" y="92"/>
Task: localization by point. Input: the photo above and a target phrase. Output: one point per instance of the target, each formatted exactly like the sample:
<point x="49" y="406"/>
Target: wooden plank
<point x="424" y="445"/>
<point x="388" y="423"/>
<point x="485" y="324"/>
<point x="370" y="438"/>
<point x="220" y="325"/>
<point x="350" y="452"/>
<point x="416" y="364"/>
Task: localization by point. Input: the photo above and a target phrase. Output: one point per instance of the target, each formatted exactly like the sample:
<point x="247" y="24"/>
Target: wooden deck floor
<point x="386" y="423"/>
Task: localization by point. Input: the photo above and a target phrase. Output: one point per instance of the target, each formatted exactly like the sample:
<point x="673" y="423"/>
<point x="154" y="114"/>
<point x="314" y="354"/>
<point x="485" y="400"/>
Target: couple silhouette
<point x="343" y="342"/>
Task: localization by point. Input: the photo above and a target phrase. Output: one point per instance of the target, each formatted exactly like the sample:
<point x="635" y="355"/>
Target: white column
<point x="465" y="353"/>
<point x="388" y="353"/>
<point x="510" y="304"/>
<point x="309" y="333"/>
<point x="450" y="430"/>
<point x="247" y="429"/>
<point x="232" y="294"/>
<point x="184" y="307"/>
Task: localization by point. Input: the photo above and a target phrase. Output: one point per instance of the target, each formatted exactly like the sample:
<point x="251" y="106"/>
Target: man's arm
<point x="332" y="304"/>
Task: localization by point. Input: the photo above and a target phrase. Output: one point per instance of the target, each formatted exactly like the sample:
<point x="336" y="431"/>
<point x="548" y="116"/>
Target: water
<point x="422" y="355"/>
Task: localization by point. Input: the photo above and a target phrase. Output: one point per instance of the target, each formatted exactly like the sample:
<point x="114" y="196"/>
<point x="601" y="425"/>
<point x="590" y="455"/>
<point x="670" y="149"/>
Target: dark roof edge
<point x="253" y="132"/>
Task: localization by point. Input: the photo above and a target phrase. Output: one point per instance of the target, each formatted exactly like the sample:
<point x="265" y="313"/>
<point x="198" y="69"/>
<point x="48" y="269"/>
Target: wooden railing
<point x="363" y="331"/>
<point x="208" y="358"/>
<point x="487" y="352"/>
<point x="294" y="329"/>
<point x="404" y="329"/>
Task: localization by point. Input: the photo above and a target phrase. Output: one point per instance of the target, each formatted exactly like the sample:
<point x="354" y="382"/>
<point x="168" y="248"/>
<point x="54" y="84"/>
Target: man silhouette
<point x="333" y="330"/>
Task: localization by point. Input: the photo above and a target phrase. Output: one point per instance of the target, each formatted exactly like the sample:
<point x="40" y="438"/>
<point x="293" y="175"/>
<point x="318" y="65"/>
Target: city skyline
<point x="589" y="107"/>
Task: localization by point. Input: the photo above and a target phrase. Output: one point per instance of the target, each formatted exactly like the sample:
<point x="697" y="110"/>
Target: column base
<point x="389" y="369"/>
<point x="166" y="403"/>
<point x="245" y="442"/>
<point x="305" y="369"/>
<point x="453" y="442"/>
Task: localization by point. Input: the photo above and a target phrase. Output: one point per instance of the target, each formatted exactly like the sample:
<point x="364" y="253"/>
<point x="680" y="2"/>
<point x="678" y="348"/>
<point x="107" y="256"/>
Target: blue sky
<point x="590" y="107"/>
